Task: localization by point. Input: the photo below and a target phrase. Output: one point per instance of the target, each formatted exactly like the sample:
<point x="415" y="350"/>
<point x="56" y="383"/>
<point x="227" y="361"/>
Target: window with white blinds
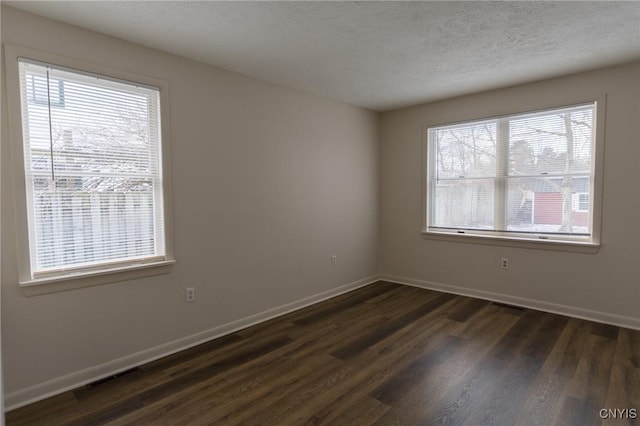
<point x="526" y="176"/>
<point x="93" y="174"/>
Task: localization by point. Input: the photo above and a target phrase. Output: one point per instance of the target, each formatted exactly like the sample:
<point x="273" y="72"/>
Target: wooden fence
<point x="73" y="228"/>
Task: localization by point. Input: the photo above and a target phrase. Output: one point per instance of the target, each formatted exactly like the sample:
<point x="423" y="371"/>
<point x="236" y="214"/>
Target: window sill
<point x="567" y="246"/>
<point x="77" y="280"/>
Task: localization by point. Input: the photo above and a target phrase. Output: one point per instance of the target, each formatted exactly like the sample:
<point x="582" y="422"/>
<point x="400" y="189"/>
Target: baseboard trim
<point x="555" y="308"/>
<point x="76" y="379"/>
<point x="65" y="383"/>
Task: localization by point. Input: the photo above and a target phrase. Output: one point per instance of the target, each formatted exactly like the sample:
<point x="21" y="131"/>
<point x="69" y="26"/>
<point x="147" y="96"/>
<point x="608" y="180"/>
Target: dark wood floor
<point x="382" y="355"/>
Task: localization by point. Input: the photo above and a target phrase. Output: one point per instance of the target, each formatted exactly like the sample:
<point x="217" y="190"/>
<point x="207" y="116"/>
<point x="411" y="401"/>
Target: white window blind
<point x="527" y="175"/>
<point x="93" y="170"/>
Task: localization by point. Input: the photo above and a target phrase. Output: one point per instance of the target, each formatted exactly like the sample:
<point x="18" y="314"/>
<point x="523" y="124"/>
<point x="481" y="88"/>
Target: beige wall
<point x="603" y="286"/>
<point x="268" y="183"/>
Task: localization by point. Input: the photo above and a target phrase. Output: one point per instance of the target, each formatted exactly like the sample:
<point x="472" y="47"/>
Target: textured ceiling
<point x="379" y="55"/>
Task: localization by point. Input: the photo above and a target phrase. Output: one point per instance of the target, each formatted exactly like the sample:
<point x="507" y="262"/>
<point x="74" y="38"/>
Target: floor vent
<point x="100" y="382"/>
<point x="506" y="305"/>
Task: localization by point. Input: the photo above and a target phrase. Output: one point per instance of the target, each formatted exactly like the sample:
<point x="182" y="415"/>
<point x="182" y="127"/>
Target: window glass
<point x="525" y="176"/>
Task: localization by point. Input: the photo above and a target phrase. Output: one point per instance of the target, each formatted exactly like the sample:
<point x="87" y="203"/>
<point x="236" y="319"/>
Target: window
<point x="527" y="176"/>
<point x="45" y="91"/>
<point x="580" y="202"/>
<point x="93" y="173"/>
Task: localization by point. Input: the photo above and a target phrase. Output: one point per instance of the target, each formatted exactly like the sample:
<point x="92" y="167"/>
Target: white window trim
<point x="526" y="241"/>
<point x="102" y="274"/>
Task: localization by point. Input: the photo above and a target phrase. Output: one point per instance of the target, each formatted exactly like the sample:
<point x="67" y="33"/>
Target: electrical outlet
<point x="334" y="260"/>
<point x="504" y="264"/>
<point x="190" y="294"/>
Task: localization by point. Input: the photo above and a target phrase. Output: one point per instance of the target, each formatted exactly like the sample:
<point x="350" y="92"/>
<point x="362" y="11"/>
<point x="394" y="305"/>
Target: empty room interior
<point x="283" y="213"/>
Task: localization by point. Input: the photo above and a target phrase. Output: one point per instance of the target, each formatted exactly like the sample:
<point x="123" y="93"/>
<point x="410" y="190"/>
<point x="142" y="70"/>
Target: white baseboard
<point x="555" y="308"/>
<point x="58" y="385"/>
<point x="61" y="384"/>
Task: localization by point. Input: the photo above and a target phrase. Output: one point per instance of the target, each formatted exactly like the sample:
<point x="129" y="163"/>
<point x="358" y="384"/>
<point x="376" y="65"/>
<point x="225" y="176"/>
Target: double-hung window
<point x="93" y="173"/>
<point x="522" y="177"/>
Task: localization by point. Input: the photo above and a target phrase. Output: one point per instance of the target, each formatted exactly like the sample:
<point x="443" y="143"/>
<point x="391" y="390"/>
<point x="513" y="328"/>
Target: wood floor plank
<point x="605" y="330"/>
<point x="451" y="408"/>
<point x="351" y="300"/>
<point x="591" y="380"/>
<point x="518" y="336"/>
<point x="392" y="390"/>
<point x="503" y="401"/>
<point x="624" y="393"/>
<point x="628" y="348"/>
<point x="460" y="405"/>
<point x="544" y="401"/>
<point x="490" y="390"/>
<point x="377" y="364"/>
<point x="545" y="338"/>
<point x="384" y="354"/>
<point x="327" y="387"/>
<point x="361" y="343"/>
<point x="284" y="397"/>
<point x="577" y="412"/>
<point x="425" y="395"/>
<point x="568" y="349"/>
<point x="138" y="401"/>
<point x="466" y="309"/>
<point x="407" y="300"/>
<point x="363" y="412"/>
<point x="483" y="320"/>
<point x="219" y="393"/>
<point x="166" y="372"/>
<point x="374" y="365"/>
<point x="400" y="294"/>
<point x="45" y="412"/>
<point x="212" y="401"/>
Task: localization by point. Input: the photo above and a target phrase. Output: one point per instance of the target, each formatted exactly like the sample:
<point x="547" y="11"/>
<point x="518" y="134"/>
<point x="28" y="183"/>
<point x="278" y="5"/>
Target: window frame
<point x="534" y="241"/>
<point x="106" y="272"/>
